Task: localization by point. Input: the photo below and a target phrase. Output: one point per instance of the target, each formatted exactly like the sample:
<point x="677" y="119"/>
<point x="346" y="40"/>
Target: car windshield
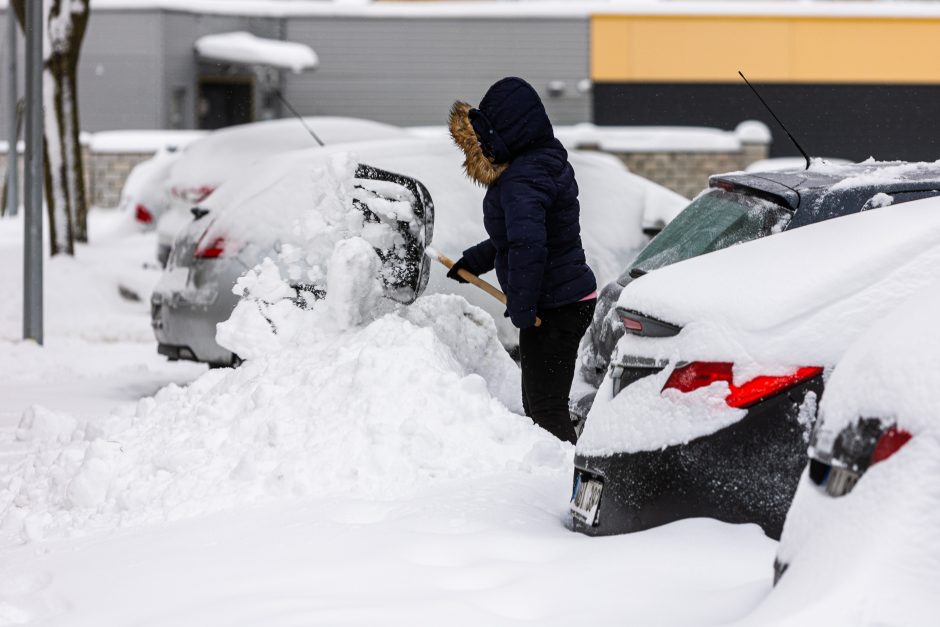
<point x="717" y="219"/>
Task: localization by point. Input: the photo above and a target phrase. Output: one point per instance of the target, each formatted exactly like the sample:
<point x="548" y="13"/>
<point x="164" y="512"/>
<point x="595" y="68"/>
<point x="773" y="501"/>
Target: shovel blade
<point x="404" y="204"/>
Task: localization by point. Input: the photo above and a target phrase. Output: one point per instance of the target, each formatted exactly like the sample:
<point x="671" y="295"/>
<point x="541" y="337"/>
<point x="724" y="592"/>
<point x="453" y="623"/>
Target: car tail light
<point x="632" y="325"/>
<point x="211" y="249"/>
<point x="640" y="324"/>
<point x="699" y="374"/>
<point x="889" y="443"/>
<point x="143" y="215"/>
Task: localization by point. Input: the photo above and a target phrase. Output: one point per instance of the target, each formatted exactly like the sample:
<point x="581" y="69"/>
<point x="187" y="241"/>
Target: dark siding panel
<point x="848" y="121"/>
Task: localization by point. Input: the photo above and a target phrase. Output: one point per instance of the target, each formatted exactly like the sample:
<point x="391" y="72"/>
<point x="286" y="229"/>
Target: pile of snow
<point x="849" y="547"/>
<point x="799" y="299"/>
<point x="302" y="207"/>
<point x="243" y="47"/>
<point x="332" y="402"/>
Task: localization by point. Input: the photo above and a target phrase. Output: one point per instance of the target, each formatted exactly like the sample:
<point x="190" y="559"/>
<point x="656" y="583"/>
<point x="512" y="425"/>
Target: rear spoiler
<point x="757" y="185"/>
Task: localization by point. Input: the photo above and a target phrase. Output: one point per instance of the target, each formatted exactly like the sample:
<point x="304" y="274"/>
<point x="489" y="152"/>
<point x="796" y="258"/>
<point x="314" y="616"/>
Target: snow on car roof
<point x="892" y="371"/>
<point x="221" y="154"/>
<point x="243" y="47"/>
<point x="797" y="298"/>
<point x="842" y="176"/>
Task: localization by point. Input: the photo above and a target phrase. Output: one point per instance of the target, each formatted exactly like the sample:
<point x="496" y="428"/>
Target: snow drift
<point x="339" y="399"/>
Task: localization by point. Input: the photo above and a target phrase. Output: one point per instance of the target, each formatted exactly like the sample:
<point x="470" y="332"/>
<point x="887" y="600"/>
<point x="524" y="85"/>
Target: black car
<point x="738" y="208"/>
<point x="748" y="471"/>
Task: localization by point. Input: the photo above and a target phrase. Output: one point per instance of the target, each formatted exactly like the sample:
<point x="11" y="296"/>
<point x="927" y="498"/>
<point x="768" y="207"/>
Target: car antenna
<point x="767" y="106"/>
<point x="277" y="92"/>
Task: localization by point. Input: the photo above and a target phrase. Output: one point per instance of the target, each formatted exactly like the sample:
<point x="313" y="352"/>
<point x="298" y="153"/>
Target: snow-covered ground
<point x="371" y="470"/>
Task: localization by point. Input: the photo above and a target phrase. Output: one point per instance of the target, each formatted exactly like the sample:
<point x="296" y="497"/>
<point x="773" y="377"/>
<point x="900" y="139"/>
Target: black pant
<point x="548" y="354"/>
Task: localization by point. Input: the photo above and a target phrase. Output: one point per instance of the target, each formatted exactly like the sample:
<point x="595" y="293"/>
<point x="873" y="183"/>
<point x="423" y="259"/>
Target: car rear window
<point x="717" y="219"/>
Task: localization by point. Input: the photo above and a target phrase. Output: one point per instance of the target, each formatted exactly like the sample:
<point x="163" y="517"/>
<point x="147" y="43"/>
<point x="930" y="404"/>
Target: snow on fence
<point x="679" y="158"/>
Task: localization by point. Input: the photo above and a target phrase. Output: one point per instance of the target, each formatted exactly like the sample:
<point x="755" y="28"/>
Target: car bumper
<point x="184" y="319"/>
<point x="744" y="473"/>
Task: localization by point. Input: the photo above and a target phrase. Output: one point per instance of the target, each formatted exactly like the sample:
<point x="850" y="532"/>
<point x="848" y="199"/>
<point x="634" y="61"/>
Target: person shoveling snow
<point x="350" y="394"/>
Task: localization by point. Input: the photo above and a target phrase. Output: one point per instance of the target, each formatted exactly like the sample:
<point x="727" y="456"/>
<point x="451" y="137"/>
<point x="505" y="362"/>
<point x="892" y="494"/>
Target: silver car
<point x="195" y="292"/>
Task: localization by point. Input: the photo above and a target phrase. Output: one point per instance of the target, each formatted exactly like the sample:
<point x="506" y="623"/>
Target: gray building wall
<point x="409" y="71"/>
<point x="138" y="69"/>
<point x="181" y="71"/>
<point x="120" y="77"/>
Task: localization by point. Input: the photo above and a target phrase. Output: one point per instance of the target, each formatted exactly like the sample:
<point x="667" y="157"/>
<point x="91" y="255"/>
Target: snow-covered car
<point x="230" y="152"/>
<point x="864" y="516"/>
<point x="144" y="192"/>
<point x="708" y="406"/>
<point x="737" y="208"/>
<point x="248" y="220"/>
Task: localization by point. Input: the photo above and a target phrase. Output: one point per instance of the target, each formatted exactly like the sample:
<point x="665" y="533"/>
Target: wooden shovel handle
<point x="480" y="283"/>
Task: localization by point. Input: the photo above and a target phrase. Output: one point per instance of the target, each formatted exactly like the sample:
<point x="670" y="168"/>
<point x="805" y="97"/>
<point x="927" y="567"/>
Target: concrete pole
<point x="13" y="199"/>
<point x="32" y="261"/>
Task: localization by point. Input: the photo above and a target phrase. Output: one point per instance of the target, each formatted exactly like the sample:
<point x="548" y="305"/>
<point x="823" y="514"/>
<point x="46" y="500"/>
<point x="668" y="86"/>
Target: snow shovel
<point x="404" y="204"/>
<point x="472" y="278"/>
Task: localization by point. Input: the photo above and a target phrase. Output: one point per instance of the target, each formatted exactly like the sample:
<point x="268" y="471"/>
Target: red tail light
<point x="699" y="374"/>
<point x="889" y="443"/>
<point x="632" y="325"/>
<point x="142" y="215"/>
<point x="213" y="249"/>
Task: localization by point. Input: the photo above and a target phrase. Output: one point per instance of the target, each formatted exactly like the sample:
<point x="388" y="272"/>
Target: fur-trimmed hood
<point x="475" y="164"/>
<point x="510" y="121"/>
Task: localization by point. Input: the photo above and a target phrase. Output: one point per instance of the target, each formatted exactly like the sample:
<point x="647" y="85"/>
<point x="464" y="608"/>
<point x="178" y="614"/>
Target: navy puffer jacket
<point x="531" y="210"/>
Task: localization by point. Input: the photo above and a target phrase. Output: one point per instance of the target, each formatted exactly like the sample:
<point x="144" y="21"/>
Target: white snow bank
<point x="141" y="141"/>
<point x="418" y="396"/>
<point x="243" y="47"/>
<point x="869" y="557"/>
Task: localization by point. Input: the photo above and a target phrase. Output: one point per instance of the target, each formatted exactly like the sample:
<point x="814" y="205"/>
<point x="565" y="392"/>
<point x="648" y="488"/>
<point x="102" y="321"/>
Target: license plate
<point x="586" y="498"/>
<point x="841" y="481"/>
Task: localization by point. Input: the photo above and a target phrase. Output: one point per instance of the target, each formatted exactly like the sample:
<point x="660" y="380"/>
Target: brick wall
<point x="687" y="172"/>
<point x="106" y="173"/>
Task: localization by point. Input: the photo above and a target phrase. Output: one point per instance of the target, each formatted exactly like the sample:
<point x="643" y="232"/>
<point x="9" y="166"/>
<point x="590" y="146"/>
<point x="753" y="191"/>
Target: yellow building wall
<point x="684" y="48"/>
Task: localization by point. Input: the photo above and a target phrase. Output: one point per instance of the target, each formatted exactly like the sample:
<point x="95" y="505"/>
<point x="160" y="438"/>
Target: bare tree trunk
<point x="65" y="25"/>
<point x="20" y="109"/>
